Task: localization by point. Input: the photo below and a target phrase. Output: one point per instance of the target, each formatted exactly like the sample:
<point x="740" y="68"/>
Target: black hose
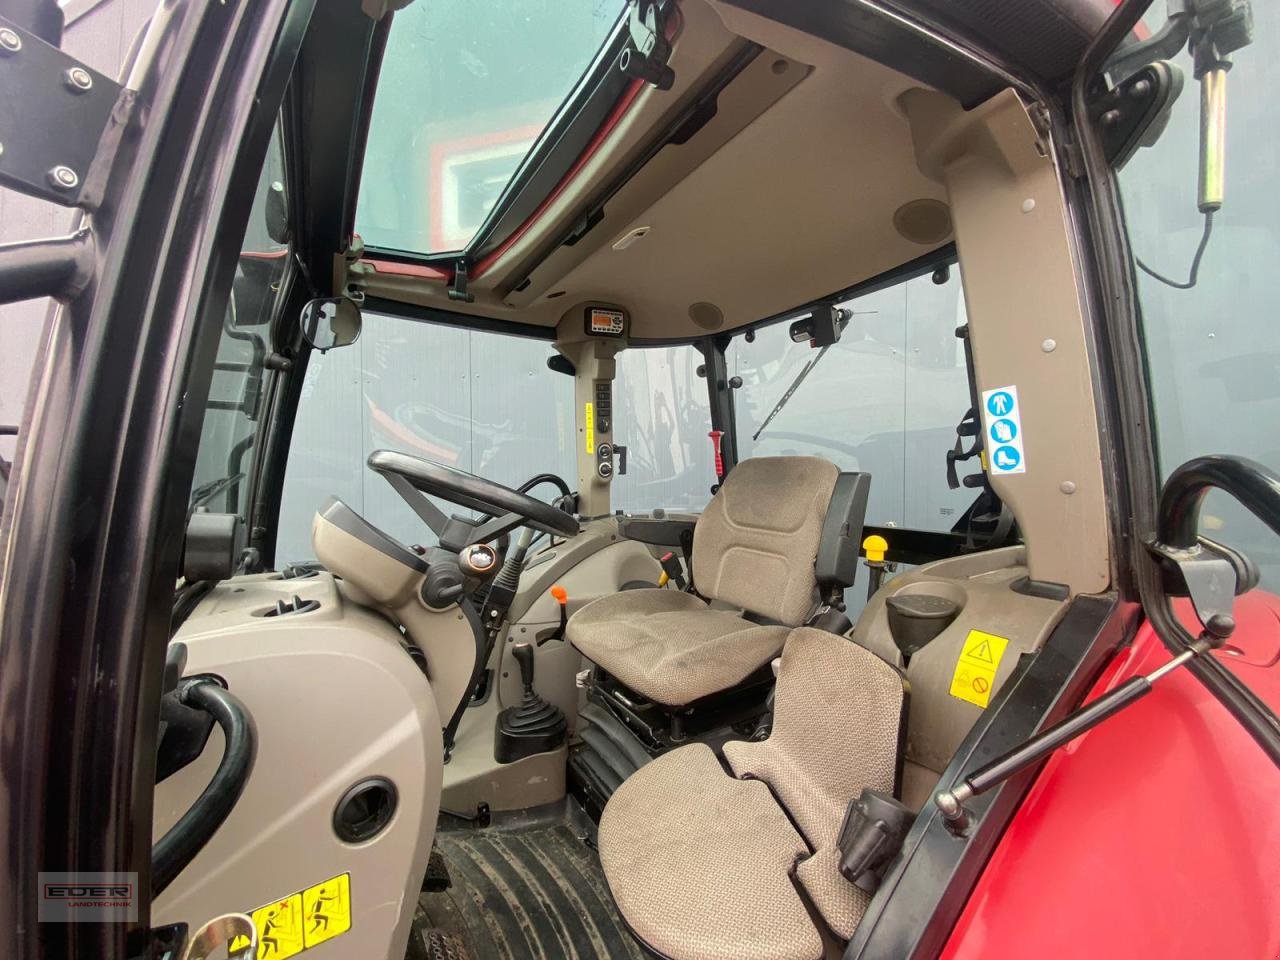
<point x="1194" y="276"/>
<point x="187" y="837"/>
<point x="550" y="478"/>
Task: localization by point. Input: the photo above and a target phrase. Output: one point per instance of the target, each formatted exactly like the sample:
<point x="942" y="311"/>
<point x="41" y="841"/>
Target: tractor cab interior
<point x="584" y="727"/>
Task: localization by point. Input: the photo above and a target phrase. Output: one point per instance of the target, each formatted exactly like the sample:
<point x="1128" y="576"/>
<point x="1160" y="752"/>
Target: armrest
<point x="665" y="531"/>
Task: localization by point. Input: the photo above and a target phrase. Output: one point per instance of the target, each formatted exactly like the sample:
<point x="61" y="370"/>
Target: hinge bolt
<point x="78" y="79"/>
<point x="64" y="178"/>
<point x="10" y="42"/>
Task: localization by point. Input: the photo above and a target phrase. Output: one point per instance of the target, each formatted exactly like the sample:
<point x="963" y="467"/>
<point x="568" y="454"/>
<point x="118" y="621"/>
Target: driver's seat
<point x="777" y="530"/>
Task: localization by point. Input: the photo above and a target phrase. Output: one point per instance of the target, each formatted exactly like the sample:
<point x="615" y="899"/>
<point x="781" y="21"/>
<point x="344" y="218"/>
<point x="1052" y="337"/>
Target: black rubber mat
<point x="526" y="894"/>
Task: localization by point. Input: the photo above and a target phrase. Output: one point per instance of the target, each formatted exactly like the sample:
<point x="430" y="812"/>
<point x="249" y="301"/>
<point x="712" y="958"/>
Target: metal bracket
<point x="458" y="289"/>
<point x="52" y="120"/>
<point x="1134" y="113"/>
<point x="645" y="58"/>
<point x="1207" y="577"/>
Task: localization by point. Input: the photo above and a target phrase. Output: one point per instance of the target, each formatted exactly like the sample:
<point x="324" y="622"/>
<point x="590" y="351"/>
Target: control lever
<point x="533" y="725"/>
<point x="561" y="597"/>
<point x="715" y="436"/>
<point x="503" y="589"/>
<point x="523" y="654"/>
<point x="951" y="802"/>
<point x="874" y="548"/>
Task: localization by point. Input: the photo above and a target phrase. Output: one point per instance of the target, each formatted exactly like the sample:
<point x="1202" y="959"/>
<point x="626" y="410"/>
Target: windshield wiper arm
<point x="207" y="491"/>
<point x="795" y="385"/>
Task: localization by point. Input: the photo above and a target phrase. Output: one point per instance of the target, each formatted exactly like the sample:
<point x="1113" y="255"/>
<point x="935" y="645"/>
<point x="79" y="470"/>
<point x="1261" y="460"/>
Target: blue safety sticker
<point x="1002" y="418"/>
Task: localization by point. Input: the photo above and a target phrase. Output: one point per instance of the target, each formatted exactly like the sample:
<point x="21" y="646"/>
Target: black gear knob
<point x="524" y="657"/>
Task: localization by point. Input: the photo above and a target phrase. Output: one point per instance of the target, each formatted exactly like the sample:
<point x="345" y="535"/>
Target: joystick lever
<point x="533" y="725"/>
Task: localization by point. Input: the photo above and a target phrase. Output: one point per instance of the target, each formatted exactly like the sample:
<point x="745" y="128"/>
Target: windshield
<point x="465" y="90"/>
<point x="478" y="401"/>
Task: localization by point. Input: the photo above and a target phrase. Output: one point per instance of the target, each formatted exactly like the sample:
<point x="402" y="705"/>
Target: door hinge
<point x="55" y="119"/>
<point x="458" y="289"/>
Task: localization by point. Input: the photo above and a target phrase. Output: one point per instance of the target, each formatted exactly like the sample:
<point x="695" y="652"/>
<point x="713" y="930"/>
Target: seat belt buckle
<point x="671" y="567"/>
<point x="871" y="835"/>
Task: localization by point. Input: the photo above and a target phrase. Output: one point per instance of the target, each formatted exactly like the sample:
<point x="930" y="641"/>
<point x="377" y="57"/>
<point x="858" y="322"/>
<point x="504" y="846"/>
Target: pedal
<point x="437" y="878"/>
<point x="445" y="946"/>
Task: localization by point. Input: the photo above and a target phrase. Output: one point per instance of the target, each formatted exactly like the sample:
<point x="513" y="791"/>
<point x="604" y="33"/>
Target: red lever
<point x="715" y="436"/>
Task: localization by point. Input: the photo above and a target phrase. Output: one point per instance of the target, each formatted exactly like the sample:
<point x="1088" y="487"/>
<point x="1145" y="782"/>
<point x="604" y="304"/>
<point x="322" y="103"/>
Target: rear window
<point x="885" y="400"/>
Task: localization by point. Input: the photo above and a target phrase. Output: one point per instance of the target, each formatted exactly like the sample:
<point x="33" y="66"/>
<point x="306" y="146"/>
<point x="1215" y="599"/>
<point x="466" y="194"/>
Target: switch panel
<point x="604" y="407"/>
<point x="604" y="430"/>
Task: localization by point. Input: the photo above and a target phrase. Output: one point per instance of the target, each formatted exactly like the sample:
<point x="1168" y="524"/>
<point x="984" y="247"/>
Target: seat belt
<point x="686" y="548"/>
<point x="971" y="426"/>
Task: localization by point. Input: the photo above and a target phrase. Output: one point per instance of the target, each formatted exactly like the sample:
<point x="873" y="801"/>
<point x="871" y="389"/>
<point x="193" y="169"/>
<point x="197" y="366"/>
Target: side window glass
<point x="884" y="400"/>
<point x="1213" y="350"/>
<point x="229" y="436"/>
<point x="481" y="402"/>
<point x="663" y="418"/>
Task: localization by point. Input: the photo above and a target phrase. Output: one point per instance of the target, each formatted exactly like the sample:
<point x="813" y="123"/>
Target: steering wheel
<point x="505" y="508"/>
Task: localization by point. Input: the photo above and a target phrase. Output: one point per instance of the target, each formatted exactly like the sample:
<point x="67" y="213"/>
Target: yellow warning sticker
<point x="976" y="667"/>
<point x="301" y="920"/>
<point x="589" y="417"/>
<point x="280" y="928"/>
<point x="327" y="908"/>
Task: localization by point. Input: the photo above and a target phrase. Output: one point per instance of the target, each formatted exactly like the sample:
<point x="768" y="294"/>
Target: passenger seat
<point x="705" y="865"/>
<point x="781" y="534"/>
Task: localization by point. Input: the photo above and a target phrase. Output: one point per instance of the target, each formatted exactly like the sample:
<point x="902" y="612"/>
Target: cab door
<point x="1144" y="835"/>
<point x="163" y="167"/>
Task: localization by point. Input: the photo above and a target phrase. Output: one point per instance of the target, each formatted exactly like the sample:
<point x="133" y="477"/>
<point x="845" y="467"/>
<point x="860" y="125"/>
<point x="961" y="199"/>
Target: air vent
<point x="285" y="608"/>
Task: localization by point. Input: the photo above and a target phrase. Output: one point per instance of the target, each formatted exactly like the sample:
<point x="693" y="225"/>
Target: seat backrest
<point x="756" y="543"/>
<point x="837" y="730"/>
<point x="837" y="721"/>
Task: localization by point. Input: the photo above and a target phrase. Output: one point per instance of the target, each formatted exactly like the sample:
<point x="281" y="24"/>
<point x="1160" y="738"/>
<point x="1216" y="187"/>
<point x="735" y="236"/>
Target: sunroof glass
<point x="466" y="88"/>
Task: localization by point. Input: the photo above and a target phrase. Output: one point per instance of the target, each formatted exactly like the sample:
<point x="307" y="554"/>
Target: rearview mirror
<point x="277" y="213"/>
<point x="330" y="322"/>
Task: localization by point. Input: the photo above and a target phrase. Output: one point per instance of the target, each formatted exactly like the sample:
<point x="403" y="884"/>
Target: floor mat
<point x="526" y="894"/>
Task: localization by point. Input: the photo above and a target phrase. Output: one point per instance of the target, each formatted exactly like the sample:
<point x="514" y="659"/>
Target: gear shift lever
<point x="524" y="658"/>
<point x="533" y="726"/>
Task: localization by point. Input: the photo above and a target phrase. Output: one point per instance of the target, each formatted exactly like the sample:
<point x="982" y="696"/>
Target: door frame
<point x="96" y="529"/>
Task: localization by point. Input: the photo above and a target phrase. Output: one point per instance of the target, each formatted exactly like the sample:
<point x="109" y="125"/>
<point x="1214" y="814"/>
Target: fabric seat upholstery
<point x="699" y="862"/>
<point x="669" y="646"/>
<point x="725" y="858"/>
<point x="753" y="548"/>
<point x="834" y="735"/>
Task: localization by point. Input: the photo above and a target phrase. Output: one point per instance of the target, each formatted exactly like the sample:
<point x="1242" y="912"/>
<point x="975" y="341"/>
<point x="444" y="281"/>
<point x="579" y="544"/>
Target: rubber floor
<point x="526" y="894"/>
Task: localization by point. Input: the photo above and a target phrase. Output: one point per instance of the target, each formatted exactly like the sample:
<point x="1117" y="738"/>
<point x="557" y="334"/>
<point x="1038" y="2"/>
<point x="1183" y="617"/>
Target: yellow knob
<point x="874" y="547"/>
<point x="663" y="579"/>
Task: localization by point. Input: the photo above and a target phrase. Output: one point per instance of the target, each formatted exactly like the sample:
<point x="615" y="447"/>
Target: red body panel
<point x="1155" y="835"/>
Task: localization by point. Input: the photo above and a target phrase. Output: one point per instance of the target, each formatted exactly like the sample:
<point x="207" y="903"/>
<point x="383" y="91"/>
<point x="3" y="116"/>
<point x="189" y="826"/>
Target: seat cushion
<point x="699" y="863"/>
<point x="836" y="730"/>
<point x="755" y="545"/>
<point x="669" y="646"/>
